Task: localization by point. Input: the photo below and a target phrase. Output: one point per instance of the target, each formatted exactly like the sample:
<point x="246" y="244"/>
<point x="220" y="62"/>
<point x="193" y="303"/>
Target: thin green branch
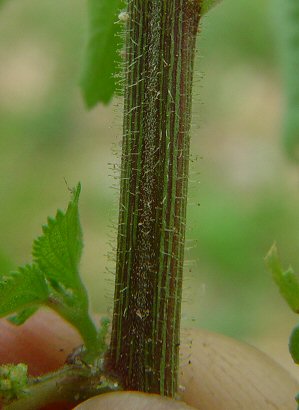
<point x="82" y="322"/>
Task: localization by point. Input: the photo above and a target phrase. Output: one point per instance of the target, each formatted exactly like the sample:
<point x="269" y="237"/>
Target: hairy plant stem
<point x="160" y="49"/>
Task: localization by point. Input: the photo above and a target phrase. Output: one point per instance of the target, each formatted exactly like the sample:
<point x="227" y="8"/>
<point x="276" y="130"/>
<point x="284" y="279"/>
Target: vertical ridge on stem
<point x="160" y="48"/>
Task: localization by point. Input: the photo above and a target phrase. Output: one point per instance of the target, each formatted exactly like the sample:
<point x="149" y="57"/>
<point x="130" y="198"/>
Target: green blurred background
<point x="244" y="192"/>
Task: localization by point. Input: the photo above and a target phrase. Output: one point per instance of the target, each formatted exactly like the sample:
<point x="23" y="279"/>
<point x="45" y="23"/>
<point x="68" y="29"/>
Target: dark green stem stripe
<point x="160" y="49"/>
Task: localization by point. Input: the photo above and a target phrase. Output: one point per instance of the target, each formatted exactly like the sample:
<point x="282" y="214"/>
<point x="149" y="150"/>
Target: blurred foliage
<point x="287" y="20"/>
<point x="248" y="192"/>
<point x="102" y="60"/>
<point x="239" y="31"/>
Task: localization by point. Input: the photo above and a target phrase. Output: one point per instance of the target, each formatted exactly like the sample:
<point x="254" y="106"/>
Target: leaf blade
<point x="58" y="251"/>
<point x="102" y="59"/>
<point x="22" y="289"/>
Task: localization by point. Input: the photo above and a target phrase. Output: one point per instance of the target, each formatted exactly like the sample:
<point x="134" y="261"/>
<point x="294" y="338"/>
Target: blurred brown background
<point x="244" y="192"/>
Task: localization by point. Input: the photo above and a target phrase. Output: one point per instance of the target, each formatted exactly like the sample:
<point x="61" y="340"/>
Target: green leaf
<point x="287" y="281"/>
<point x="294" y="344"/>
<point x="58" y="251"/>
<point x="206" y="5"/>
<point x="23" y="289"/>
<point x="102" y="59"/>
<point x="53" y="280"/>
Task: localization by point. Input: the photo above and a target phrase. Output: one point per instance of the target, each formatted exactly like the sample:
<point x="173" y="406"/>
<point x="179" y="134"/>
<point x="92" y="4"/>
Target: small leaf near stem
<point x="58" y="252"/>
<point x="53" y="279"/>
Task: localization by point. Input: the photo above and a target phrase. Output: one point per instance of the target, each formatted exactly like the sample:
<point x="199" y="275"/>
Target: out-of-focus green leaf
<point x="102" y="57"/>
<point x="287" y="29"/>
<point x="287" y="281"/>
<point x="294" y="344"/>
